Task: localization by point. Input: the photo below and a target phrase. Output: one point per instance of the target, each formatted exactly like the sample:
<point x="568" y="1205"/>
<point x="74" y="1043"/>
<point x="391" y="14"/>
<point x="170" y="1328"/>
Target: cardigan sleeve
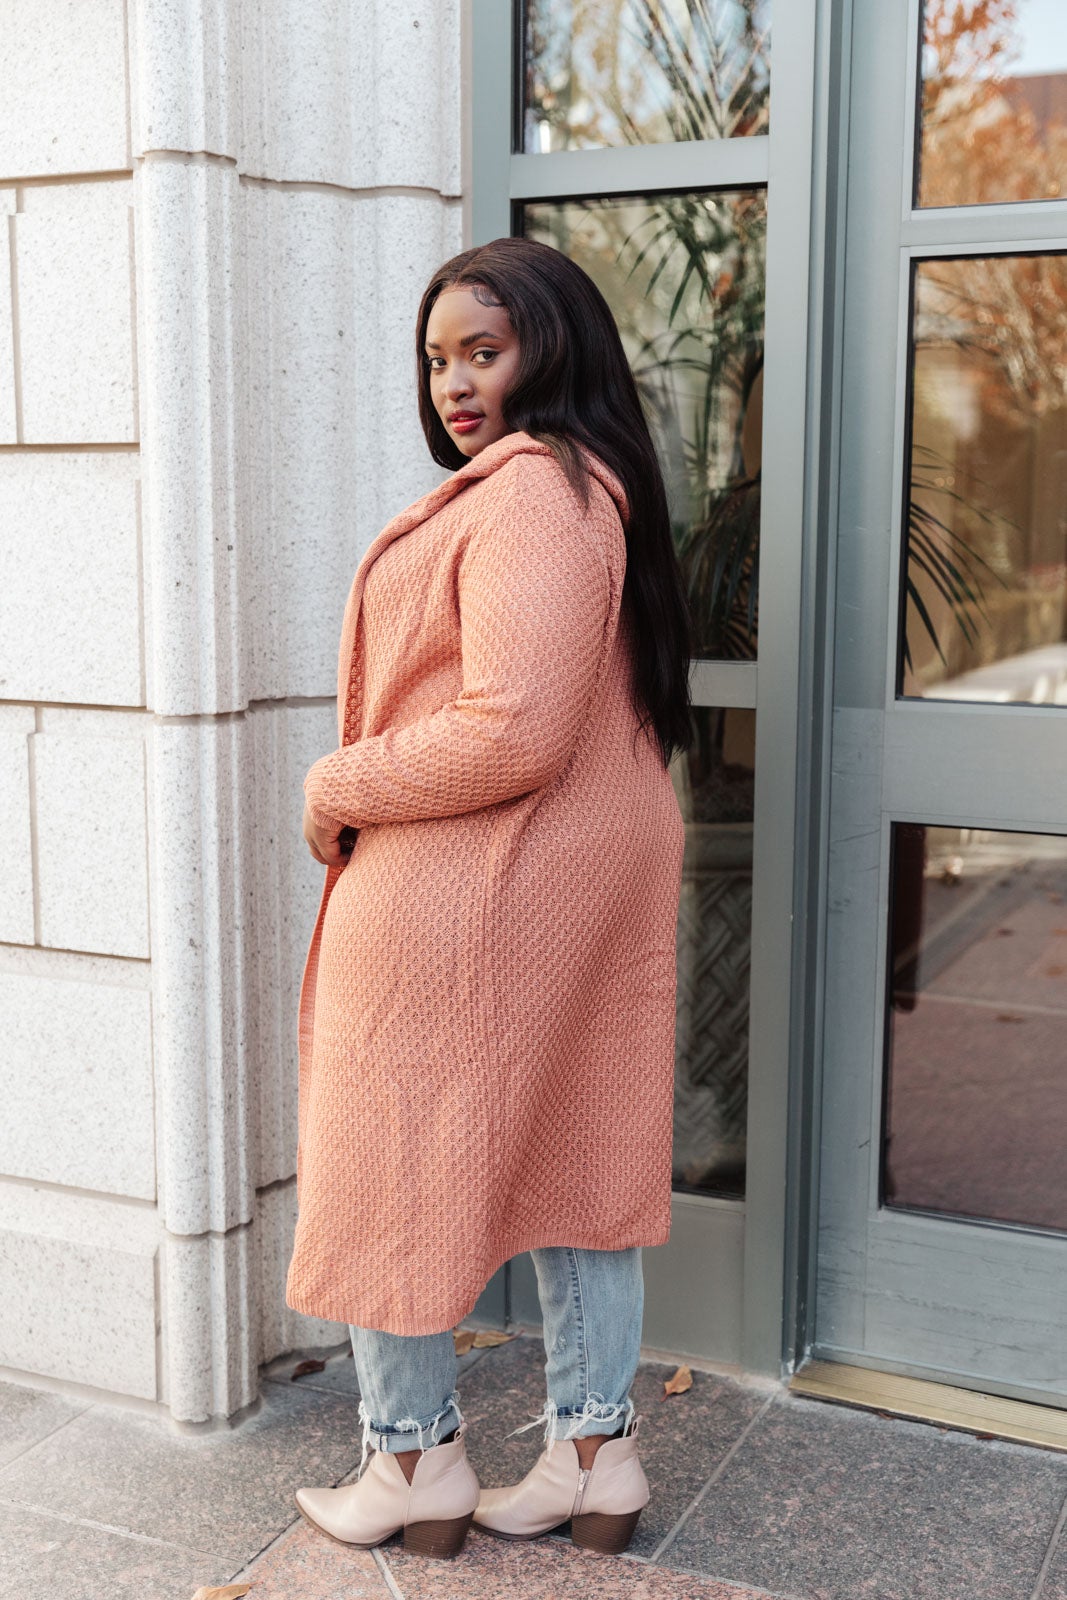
<point x="534" y="594"/>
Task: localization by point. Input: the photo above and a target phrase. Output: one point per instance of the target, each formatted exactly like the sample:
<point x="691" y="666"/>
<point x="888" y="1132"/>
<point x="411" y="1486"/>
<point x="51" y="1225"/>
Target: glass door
<point x="665" y="146"/>
<point x="942" y="1246"/>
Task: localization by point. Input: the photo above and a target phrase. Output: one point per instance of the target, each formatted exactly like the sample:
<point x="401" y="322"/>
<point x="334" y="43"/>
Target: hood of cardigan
<point x="502" y="450"/>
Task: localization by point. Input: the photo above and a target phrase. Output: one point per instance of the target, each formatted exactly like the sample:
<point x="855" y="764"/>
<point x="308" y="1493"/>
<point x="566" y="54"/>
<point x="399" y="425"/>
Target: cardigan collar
<point x="486" y="462"/>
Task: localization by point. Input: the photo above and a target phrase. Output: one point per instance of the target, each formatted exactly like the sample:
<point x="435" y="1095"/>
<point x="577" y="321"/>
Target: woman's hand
<point x="325" y="844"/>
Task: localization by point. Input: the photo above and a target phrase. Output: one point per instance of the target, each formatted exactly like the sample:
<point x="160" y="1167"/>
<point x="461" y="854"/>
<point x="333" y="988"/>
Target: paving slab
<point x="683" y="1440"/>
<point x="302" y="1565"/>
<point x="229" y="1491"/>
<point x="43" y="1555"/>
<point x="1055" y="1587"/>
<point x="835" y="1504"/>
<point x="546" y="1569"/>
<point x="338" y="1376"/>
<point x="29" y="1415"/>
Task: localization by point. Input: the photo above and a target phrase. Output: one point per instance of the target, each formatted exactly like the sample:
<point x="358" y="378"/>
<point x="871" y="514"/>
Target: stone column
<point x="292" y="177"/>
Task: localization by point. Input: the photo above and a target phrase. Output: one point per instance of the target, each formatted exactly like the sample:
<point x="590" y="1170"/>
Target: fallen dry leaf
<point x="310" y="1365"/>
<point x="487" y="1338"/>
<point x="232" y="1591"/>
<point x="464" y="1339"/>
<point x="681" y="1381"/>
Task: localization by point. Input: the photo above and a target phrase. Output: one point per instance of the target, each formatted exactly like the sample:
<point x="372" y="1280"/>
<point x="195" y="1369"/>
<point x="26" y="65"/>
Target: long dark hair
<point x="575" y="387"/>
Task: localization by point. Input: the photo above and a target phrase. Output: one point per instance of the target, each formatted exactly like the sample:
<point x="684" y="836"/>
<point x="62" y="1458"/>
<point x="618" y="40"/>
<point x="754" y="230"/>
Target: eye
<point x="431" y="362"/>
<point x="486" y="352"/>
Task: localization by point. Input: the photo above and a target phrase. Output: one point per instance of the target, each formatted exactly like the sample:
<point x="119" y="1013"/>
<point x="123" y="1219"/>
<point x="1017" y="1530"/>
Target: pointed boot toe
<point x="315" y="1504"/>
<point x="434" y="1510"/>
<point x="362" y="1514"/>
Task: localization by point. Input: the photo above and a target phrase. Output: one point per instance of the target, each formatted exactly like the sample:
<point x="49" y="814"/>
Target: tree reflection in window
<point x="616" y="72"/>
<point x="985" y="614"/>
<point x="994" y="102"/>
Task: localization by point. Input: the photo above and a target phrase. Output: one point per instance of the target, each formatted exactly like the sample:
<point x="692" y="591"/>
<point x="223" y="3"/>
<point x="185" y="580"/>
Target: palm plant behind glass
<point x="712" y="58"/>
<point x="697" y="377"/>
<point x="949" y="561"/>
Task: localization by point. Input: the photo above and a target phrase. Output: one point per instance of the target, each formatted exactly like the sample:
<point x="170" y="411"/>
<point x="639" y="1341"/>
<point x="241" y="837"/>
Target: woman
<point x="487" y="1013"/>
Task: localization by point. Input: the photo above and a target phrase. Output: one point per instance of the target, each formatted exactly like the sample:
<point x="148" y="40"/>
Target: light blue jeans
<point x="592" y="1302"/>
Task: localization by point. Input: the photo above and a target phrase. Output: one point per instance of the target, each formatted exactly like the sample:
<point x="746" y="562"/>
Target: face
<point x="473" y="356"/>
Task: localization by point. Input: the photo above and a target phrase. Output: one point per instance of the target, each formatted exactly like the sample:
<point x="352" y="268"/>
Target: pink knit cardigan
<point x="487" y="1013"/>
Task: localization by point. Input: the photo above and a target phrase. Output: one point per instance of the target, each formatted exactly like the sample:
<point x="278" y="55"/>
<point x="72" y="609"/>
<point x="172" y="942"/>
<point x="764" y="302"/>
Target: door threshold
<point x="988" y="1415"/>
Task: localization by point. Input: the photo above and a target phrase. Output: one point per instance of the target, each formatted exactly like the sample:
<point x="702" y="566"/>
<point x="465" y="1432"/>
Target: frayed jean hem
<point x="408" y="1433"/>
<point x="595" y="1417"/>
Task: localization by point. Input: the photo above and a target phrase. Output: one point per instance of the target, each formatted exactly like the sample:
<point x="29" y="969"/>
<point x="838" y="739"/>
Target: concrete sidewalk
<point x="755" y="1493"/>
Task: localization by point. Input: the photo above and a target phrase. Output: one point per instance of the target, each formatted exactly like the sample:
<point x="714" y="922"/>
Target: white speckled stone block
<point x="203" y="847"/>
<point x="286" y="888"/>
<point x="305" y="479"/>
<point x="279" y="399"/>
<point x="70" y="586"/>
<point x="210" y="1325"/>
<point x="335" y="446"/>
<point x="186" y="73"/>
<point x="73" y="261"/>
<point x="77" y="1288"/>
<point x="63" y="68"/>
<point x="200" y="573"/>
<point x="398" y="242"/>
<point x="8" y="414"/>
<point x="91" y="831"/>
<point x="76" y="1085"/>
<point x="347" y="92"/>
<point x="369" y="97"/>
<point x="16" y="862"/>
<point x="282" y="1328"/>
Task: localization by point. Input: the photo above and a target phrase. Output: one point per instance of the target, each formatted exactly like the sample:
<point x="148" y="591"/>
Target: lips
<point x="465" y="421"/>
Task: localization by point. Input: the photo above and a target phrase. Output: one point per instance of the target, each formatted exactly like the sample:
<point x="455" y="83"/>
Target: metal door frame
<point x="904" y="760"/>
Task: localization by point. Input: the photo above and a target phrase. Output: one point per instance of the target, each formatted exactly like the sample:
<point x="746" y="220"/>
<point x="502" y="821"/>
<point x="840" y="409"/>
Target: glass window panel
<point x="684" y="277"/>
<point x="603" y="73"/>
<point x="714" y="782"/>
<point x="985" y="575"/>
<point x="994" y="102"/>
<point x="976" y="1102"/>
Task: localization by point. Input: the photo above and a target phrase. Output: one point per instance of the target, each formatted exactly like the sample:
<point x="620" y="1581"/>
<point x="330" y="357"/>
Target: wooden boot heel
<point x="439" y="1540"/>
<point x="607" y="1532"/>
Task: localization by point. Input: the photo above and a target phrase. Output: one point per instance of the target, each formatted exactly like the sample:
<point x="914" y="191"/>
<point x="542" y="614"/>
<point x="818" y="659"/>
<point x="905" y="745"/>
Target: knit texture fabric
<point x="488" y="1006"/>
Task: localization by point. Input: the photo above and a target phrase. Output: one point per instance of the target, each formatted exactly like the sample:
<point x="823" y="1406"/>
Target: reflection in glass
<point x="619" y="72"/>
<point x="976" y="1104"/>
<point x="684" y="277"/>
<point x="985" y="613"/>
<point x="714" y="782"/>
<point x="994" y="102"/>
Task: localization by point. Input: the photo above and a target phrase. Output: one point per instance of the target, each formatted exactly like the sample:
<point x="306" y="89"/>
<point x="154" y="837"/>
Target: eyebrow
<point x="470" y="339"/>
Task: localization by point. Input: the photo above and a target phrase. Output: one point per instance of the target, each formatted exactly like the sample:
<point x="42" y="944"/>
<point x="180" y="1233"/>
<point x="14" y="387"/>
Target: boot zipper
<point x="583" y="1479"/>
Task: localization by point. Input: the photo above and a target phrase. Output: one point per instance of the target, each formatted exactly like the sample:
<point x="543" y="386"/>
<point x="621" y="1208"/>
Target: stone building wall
<point x="220" y="218"/>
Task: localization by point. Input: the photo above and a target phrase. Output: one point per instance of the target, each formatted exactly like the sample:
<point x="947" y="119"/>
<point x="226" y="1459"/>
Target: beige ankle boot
<point x="434" y="1510"/>
<point x="602" y="1503"/>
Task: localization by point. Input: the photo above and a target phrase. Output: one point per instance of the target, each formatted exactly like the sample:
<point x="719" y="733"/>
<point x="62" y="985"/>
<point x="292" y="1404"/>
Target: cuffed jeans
<point x="592" y="1303"/>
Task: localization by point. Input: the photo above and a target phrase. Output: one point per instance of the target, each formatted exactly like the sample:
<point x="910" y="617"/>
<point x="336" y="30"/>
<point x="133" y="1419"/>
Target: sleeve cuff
<point x="313" y="799"/>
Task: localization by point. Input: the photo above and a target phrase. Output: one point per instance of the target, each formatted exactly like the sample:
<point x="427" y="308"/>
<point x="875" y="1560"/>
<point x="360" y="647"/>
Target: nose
<point x="458" y="383"/>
